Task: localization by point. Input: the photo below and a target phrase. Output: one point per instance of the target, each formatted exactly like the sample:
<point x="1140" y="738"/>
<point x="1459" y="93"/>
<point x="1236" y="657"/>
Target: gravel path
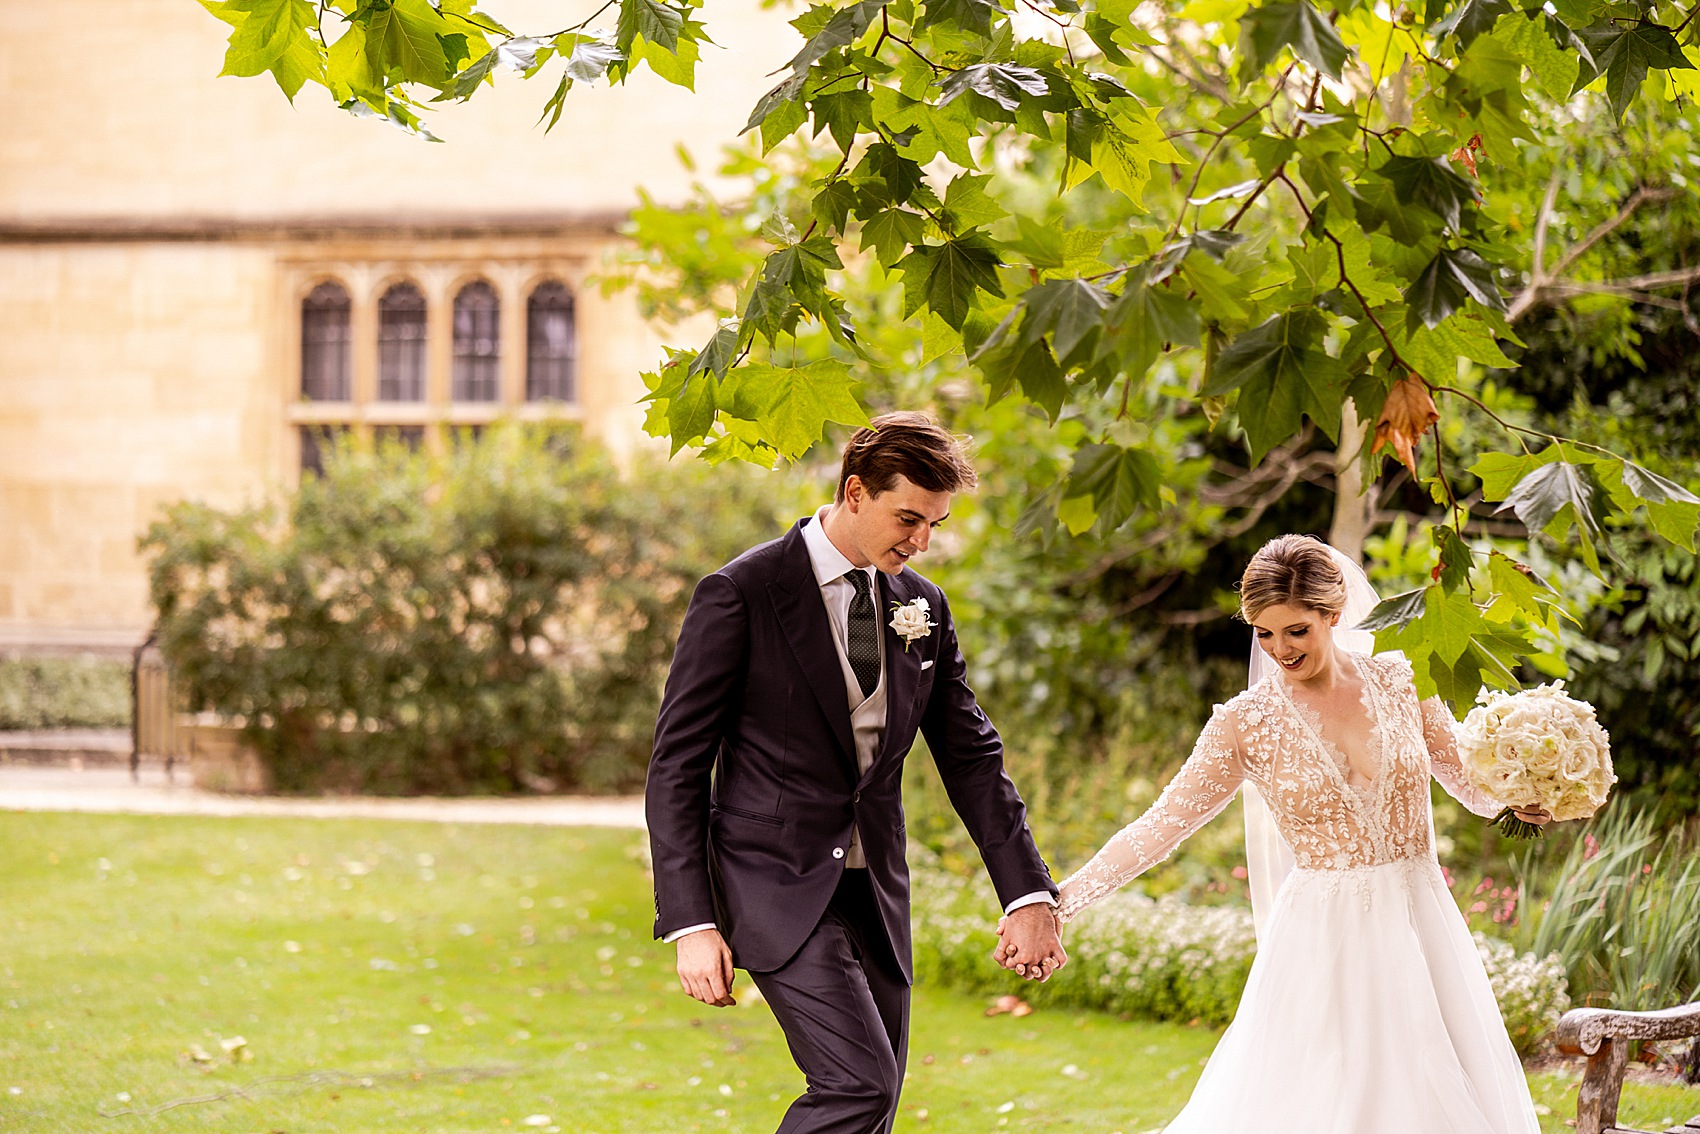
<point x="25" y="787"/>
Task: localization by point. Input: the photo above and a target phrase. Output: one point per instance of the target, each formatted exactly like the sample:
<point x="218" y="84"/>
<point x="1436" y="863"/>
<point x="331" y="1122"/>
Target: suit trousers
<point x="844" y="1007"/>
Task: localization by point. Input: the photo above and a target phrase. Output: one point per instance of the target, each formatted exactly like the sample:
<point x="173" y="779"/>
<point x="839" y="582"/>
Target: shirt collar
<point x="828" y="562"/>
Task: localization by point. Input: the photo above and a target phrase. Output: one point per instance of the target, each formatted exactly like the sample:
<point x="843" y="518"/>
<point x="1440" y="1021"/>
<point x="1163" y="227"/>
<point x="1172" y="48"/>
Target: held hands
<point x="1537" y="815"/>
<point x="705" y="967"/>
<point x="1030" y="942"/>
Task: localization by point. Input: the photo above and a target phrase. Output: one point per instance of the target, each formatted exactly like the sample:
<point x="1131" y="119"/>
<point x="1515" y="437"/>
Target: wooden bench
<point x="1604" y="1037"/>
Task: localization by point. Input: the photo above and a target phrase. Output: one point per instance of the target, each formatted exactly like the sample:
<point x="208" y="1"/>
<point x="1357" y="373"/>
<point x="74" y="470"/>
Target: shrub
<point x="1162" y="959"/>
<point x="40" y="693"/>
<point x="1533" y="992"/>
<point x="496" y="619"/>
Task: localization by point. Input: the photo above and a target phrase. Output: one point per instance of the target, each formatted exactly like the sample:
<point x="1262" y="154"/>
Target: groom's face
<point x="887" y="529"/>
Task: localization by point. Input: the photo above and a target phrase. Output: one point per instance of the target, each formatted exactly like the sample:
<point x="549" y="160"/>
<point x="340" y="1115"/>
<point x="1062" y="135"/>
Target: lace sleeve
<point x="1199" y="791"/>
<point x="1442" y="740"/>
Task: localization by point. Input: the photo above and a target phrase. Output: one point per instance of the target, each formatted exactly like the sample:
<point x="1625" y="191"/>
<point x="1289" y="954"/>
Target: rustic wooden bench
<point x="1604" y="1036"/>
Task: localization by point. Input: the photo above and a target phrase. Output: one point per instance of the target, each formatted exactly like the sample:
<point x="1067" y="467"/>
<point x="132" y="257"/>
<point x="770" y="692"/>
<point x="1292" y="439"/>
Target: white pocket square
<point x="925" y="666"/>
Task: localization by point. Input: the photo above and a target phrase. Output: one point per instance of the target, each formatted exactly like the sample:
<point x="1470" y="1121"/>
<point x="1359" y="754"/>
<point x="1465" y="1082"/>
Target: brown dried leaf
<point x="1408" y="411"/>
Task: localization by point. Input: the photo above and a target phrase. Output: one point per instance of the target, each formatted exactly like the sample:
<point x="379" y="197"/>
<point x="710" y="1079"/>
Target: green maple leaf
<point x="407" y="35"/>
<point x="1070" y="311"/>
<point x="1500" y="472"/>
<point x="1454" y="275"/>
<point x="1282" y="375"/>
<point x="1529" y="39"/>
<point x="834" y="202"/>
<point x="843" y="113"/>
<point x="1434" y="351"/>
<point x="1144" y="319"/>
<point x="1672" y="509"/>
<point x="1295" y="24"/>
<point x="1117" y="480"/>
<point x="690" y="412"/>
<point x="264" y="32"/>
<point x="787" y="96"/>
<point x="1454" y="558"/>
<point x="1557" y="497"/>
<point x="1472" y="18"/>
<point x="973" y="16"/>
<point x="1395" y="613"/>
<point x="797" y="402"/>
<point x="948" y="278"/>
<point x="653" y="21"/>
<point x="968" y="204"/>
<point x="1519" y="585"/>
<point x="1431" y="183"/>
<point x="844" y="27"/>
<point x="890" y="232"/>
<point x="590" y="59"/>
<point x="1623" y="54"/>
<point x="1003" y="83"/>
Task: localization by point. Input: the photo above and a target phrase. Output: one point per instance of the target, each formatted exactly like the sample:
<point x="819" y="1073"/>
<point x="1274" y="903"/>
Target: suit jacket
<point x="753" y="786"/>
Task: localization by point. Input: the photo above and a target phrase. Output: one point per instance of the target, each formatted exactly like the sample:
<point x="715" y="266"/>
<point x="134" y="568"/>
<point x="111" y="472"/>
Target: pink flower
<point x="1485" y="885"/>
<point x="1240" y="873"/>
<point x="1478" y="907"/>
<point x="1590" y="846"/>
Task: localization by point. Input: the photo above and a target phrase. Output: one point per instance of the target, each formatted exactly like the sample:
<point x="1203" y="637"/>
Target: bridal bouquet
<point x="1537" y="747"/>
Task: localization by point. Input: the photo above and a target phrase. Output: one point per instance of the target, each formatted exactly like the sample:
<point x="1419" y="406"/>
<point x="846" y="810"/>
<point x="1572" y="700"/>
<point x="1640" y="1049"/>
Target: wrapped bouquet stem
<point x="1537" y="748"/>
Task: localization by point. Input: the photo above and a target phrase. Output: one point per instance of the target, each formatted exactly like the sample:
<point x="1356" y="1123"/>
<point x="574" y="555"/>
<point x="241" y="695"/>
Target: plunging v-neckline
<point x="1337" y="757"/>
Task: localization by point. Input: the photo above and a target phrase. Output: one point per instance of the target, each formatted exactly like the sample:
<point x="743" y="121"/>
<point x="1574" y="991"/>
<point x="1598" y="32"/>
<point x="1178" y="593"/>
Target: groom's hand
<point x="1031" y="942"/>
<point x="705" y="967"/>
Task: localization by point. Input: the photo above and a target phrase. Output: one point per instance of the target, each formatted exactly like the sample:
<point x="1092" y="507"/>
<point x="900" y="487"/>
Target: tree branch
<point x="1544" y="284"/>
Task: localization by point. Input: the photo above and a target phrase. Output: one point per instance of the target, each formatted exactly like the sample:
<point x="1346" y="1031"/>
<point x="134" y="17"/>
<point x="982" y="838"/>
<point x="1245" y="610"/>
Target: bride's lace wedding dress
<point x="1367" y="1010"/>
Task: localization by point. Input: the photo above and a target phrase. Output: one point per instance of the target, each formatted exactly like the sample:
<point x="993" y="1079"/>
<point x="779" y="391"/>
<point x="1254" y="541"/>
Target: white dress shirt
<point x="867" y="713"/>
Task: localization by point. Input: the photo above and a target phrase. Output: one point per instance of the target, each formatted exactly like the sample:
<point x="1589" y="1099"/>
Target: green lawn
<point x="417" y="977"/>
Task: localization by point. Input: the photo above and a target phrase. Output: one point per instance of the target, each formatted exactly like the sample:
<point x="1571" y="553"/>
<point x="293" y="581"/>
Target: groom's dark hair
<point x="910" y="445"/>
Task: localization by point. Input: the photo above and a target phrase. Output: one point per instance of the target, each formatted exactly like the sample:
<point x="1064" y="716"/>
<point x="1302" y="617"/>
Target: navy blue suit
<point x="752" y="793"/>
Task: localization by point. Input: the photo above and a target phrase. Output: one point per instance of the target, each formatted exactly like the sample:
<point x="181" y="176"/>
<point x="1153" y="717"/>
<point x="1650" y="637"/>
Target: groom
<point x="803" y="671"/>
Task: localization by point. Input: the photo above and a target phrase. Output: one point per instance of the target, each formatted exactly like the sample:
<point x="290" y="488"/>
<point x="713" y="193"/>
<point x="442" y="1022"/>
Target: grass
<point x="415" y="977"/>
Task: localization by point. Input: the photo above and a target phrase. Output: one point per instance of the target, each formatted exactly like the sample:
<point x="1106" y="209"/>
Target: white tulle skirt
<point x="1367" y="1011"/>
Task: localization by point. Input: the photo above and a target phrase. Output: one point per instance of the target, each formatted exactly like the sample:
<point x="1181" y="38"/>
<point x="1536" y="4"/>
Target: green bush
<point x="1162" y="959"/>
<point x="40" y="693"/>
<point x="497" y="619"/>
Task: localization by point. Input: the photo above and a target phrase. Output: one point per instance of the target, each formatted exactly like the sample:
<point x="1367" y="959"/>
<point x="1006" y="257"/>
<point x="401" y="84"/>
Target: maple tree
<point x="1271" y="215"/>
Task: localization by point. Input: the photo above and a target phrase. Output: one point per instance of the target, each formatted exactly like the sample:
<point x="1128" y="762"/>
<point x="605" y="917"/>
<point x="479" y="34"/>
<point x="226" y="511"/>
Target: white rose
<point x="911" y="620"/>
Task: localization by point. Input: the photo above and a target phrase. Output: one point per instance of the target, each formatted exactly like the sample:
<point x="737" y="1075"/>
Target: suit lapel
<point x="797" y="604"/>
<point x="902" y="668"/>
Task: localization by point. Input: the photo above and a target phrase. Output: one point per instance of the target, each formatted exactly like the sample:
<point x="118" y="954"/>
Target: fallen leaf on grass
<point x="1013" y="1005"/>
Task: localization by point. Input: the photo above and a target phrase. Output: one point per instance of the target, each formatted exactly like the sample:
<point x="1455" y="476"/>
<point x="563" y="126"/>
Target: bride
<point x="1367" y="1009"/>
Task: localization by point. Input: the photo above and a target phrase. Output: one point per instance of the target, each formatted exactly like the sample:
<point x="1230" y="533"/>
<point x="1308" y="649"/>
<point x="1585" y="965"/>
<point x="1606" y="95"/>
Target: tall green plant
<point x="1622" y="909"/>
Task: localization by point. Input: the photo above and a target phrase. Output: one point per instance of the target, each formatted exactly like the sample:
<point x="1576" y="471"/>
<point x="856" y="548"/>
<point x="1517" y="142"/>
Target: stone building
<point x="200" y="282"/>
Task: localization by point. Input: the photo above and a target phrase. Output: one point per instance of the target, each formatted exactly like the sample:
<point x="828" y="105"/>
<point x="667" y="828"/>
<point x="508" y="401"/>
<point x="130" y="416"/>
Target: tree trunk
<point x="1353" y="500"/>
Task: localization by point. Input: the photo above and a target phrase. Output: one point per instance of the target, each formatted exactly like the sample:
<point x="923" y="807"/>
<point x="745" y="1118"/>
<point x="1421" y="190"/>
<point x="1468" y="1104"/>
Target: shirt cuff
<point x="689" y="929"/>
<point x="1032" y="899"/>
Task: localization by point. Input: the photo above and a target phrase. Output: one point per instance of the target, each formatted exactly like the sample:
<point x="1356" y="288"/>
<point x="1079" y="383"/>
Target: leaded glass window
<point x="325" y="343"/>
<point x="551" y="344"/>
<point x="401" y="344"/>
<point x="477" y="344"/>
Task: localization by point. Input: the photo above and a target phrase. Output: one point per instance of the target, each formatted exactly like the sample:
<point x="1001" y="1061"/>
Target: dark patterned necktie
<point x="864" y="647"/>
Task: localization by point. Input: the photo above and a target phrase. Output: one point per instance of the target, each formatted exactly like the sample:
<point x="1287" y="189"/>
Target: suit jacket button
<point x="856" y="798"/>
<point x="837" y="852"/>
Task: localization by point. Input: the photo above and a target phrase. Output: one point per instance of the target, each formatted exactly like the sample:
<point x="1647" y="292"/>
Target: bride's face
<point x="1296" y="638"/>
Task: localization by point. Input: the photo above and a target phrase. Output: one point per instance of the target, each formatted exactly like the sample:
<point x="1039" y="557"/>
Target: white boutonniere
<point x="910" y="620"/>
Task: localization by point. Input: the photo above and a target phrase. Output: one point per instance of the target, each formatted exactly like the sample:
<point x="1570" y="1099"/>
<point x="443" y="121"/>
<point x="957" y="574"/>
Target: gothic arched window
<point x="325" y="343"/>
<point x="477" y="344"/>
<point x="551" y="344"/>
<point x="401" y="344"/>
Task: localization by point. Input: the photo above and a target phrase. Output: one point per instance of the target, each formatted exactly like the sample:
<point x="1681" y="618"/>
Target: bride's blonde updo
<point x="1292" y="570"/>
